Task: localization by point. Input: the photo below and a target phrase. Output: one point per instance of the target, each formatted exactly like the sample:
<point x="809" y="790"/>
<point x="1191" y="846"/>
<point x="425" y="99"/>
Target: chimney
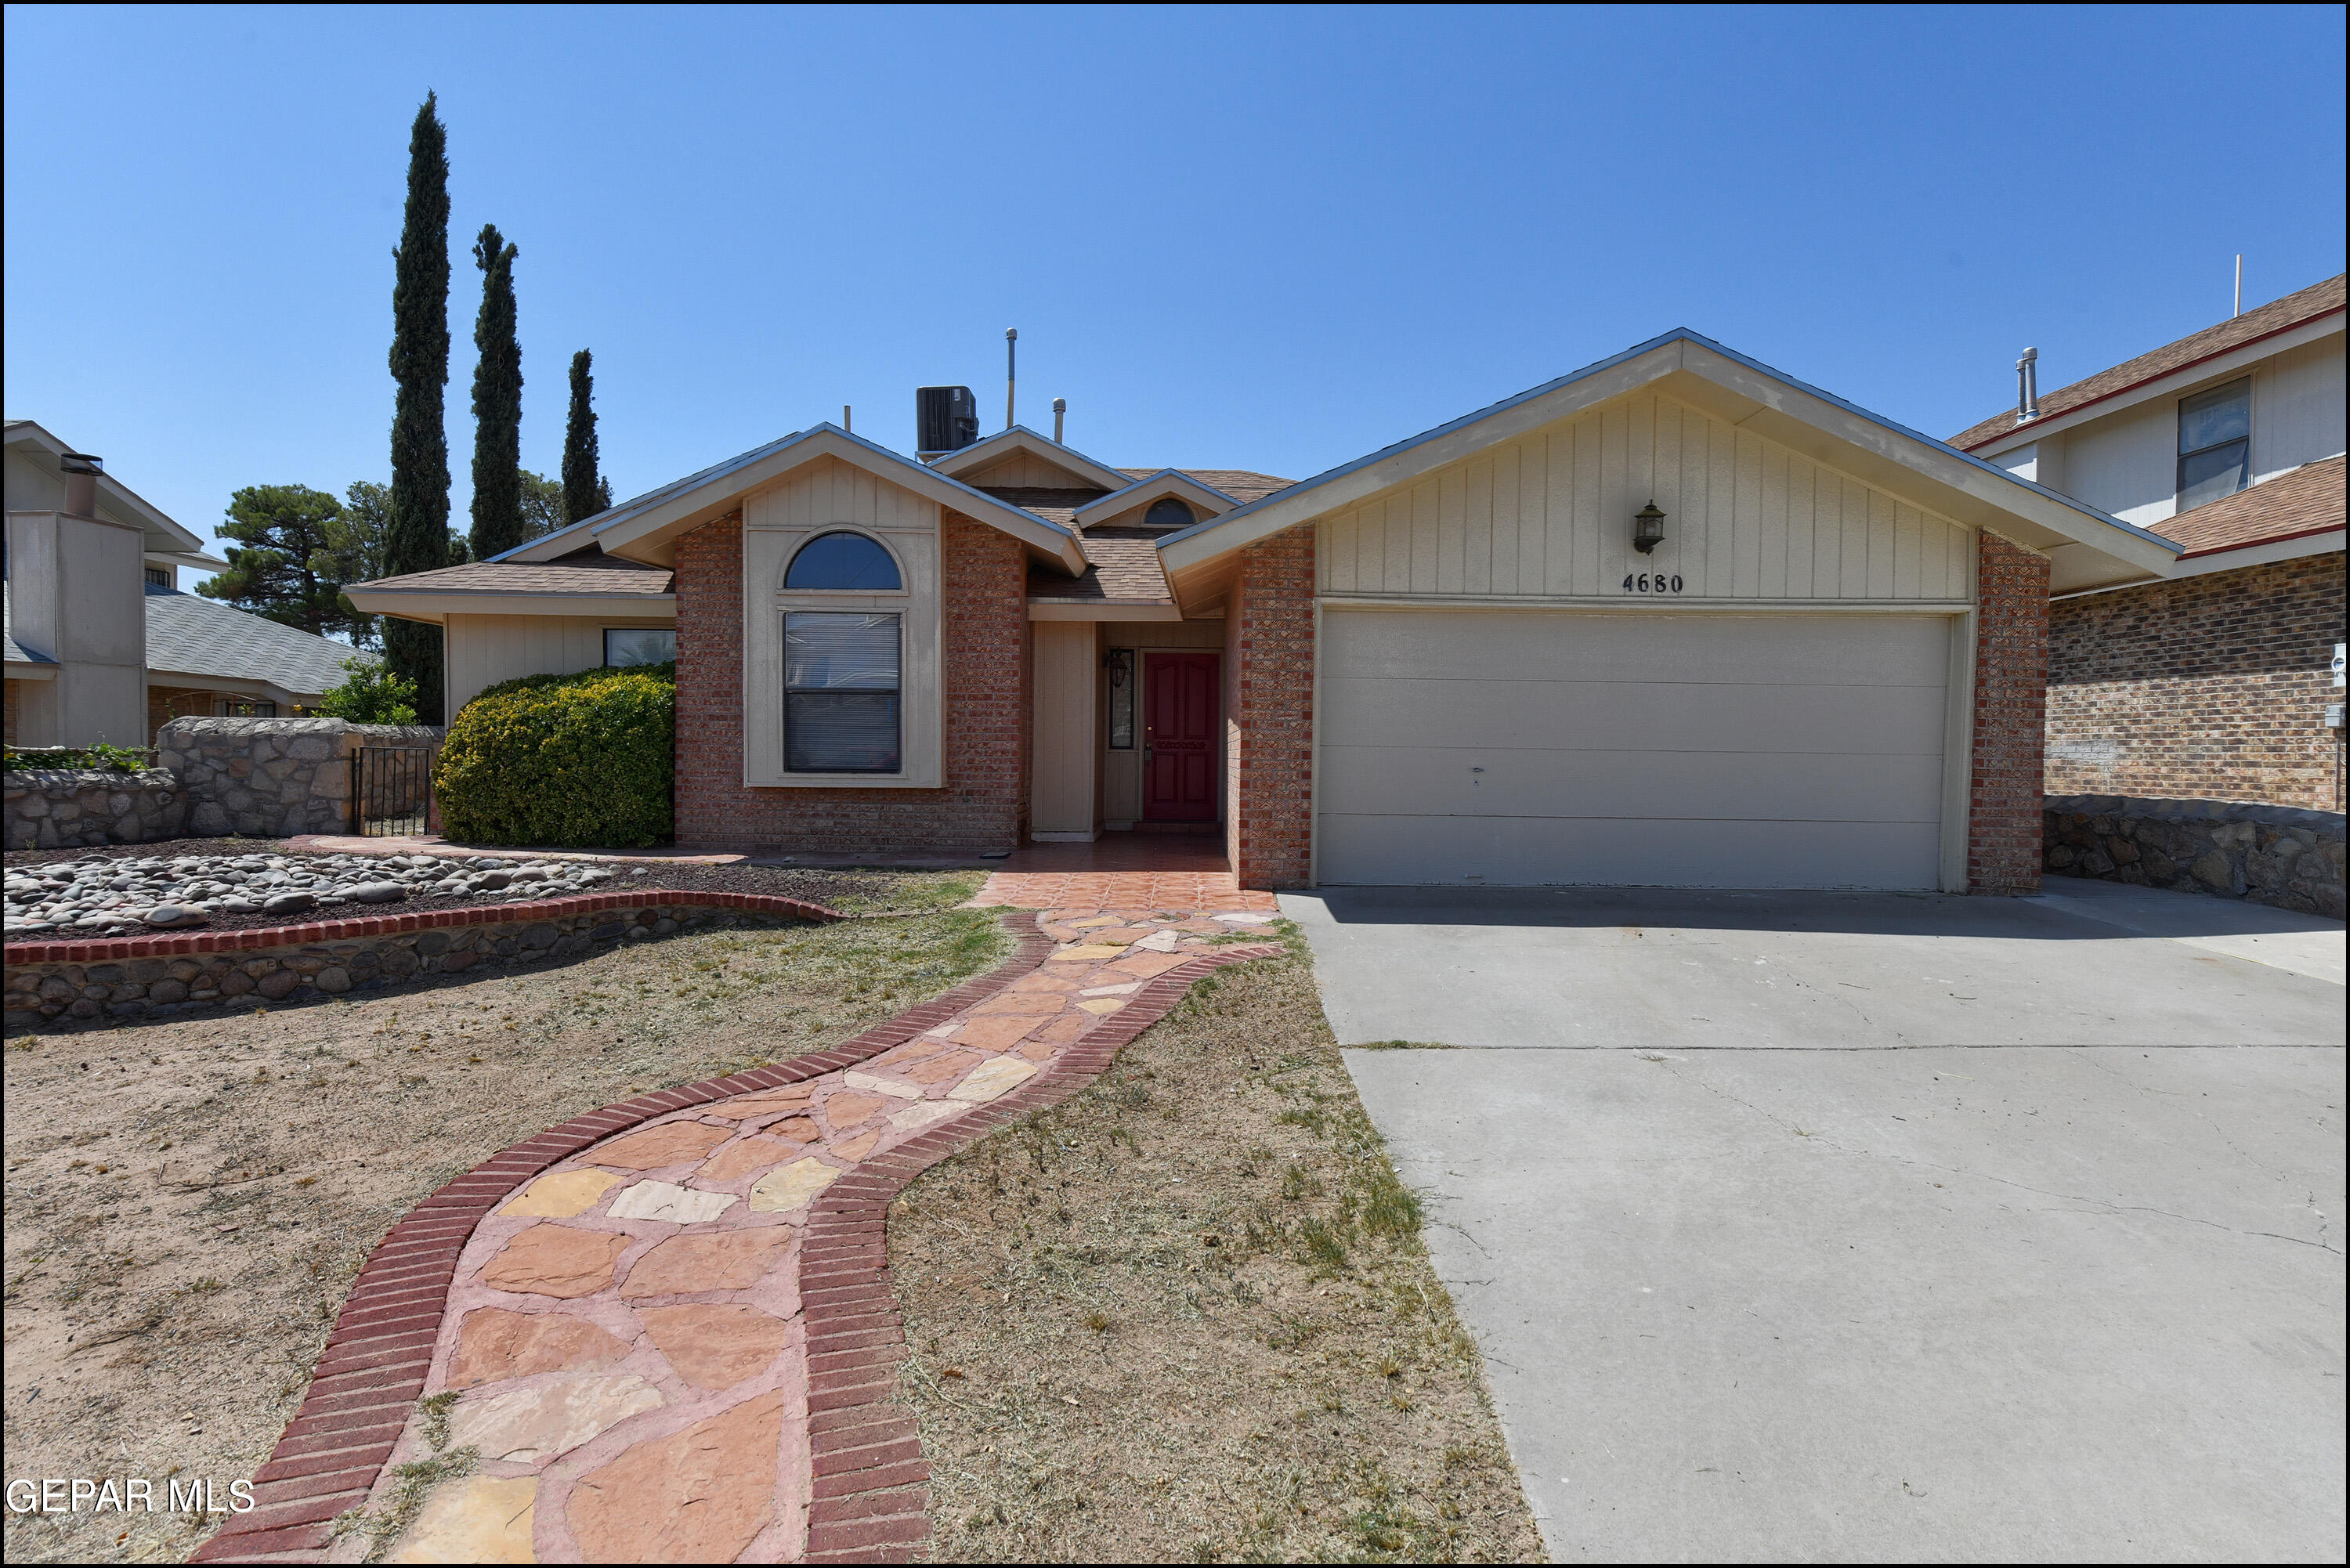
<point x="2027" y="387"/>
<point x="1060" y="413"/>
<point x="82" y="472"/>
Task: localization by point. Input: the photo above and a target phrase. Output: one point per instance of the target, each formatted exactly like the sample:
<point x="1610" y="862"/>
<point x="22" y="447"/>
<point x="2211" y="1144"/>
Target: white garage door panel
<point x="1398" y="781"/>
<point x="1901" y="721"/>
<point x="1503" y="852"/>
<point x="1788" y="751"/>
<point x="1770" y="649"/>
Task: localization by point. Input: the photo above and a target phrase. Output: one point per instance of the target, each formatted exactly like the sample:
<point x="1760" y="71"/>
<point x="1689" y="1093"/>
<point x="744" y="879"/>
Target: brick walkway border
<point x="868" y="1496"/>
<point x="373" y="1367"/>
<point x="180" y="944"/>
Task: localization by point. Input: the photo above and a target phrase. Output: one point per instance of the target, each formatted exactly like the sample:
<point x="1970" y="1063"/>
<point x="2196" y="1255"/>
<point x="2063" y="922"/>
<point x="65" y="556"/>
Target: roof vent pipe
<point x="2027" y="386"/>
<point x="81" y="470"/>
<point x="1011" y="371"/>
<point x="1060" y="415"/>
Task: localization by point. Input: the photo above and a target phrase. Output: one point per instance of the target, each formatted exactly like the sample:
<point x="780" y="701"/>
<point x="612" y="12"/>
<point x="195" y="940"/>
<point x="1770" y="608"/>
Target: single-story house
<point x="2215" y="681"/>
<point x="1676" y="619"/>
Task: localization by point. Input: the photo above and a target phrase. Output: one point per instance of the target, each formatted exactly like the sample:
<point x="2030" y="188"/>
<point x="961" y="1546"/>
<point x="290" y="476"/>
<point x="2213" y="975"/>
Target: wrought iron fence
<point x="392" y="789"/>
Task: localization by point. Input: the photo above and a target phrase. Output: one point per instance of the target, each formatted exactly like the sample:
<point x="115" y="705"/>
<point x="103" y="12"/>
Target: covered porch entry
<point x="1129" y="733"/>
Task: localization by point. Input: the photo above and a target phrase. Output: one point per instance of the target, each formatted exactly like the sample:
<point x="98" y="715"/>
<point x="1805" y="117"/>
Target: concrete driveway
<point x="1867" y="1227"/>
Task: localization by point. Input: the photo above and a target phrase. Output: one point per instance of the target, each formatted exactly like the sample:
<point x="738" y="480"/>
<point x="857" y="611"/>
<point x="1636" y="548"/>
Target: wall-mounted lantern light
<point x="1648" y="528"/>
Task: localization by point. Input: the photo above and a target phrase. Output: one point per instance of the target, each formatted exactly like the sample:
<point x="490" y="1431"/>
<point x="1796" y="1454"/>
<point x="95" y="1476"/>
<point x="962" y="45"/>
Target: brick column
<point x="2004" y="798"/>
<point x="1269" y="712"/>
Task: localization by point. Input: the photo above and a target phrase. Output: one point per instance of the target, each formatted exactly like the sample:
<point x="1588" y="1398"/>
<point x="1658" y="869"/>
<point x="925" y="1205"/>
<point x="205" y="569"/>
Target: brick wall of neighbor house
<point x="2004" y="795"/>
<point x="1269" y="713"/>
<point x="984" y="802"/>
<point x="2208" y="687"/>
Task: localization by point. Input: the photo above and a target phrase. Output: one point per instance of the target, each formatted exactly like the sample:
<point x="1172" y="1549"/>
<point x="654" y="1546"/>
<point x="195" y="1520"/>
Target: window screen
<point x="841" y="693"/>
<point x="2215" y="430"/>
<point x="639" y="645"/>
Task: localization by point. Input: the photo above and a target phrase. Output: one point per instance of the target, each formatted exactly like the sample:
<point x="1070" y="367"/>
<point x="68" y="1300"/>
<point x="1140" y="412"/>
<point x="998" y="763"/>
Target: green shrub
<point x="563" y="760"/>
<point x="370" y="694"/>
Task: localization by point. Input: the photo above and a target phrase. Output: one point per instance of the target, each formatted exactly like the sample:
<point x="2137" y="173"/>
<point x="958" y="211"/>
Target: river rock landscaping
<point x="117" y="896"/>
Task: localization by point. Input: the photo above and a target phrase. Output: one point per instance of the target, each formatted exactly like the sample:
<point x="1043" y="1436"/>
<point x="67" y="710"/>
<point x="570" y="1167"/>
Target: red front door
<point x="1179" y="737"/>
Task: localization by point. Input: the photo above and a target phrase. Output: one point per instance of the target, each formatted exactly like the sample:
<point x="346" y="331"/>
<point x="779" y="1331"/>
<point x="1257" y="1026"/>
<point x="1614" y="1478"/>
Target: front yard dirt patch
<point x="187" y="1198"/>
<point x="1187" y="1315"/>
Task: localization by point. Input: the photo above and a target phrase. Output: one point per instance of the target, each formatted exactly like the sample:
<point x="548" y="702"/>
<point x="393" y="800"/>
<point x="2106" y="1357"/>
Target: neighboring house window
<point x="841" y="687"/>
<point x="1167" y="512"/>
<point x="850" y="562"/>
<point x="159" y="576"/>
<point x="639" y="645"/>
<point x="2215" y="441"/>
<point x="242" y="708"/>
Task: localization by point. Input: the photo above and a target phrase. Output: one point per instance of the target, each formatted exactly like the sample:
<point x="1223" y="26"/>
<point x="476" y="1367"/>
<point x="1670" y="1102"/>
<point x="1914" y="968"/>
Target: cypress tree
<point x="585" y="493"/>
<point x="417" y="540"/>
<point x="497" y="402"/>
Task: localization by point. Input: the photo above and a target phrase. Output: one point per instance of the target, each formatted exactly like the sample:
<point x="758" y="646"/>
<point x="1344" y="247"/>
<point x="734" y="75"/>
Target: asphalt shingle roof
<point x="2276" y="315"/>
<point x="16" y="652"/>
<point x="187" y="634"/>
<point x="2303" y="500"/>
<point x="588" y="571"/>
<point x="1122" y="566"/>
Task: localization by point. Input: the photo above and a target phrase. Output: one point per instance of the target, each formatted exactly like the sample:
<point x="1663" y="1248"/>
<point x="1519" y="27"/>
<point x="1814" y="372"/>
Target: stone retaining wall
<point x="49" y="808"/>
<point x="69" y="983"/>
<point x="273" y="777"/>
<point x="2264" y="853"/>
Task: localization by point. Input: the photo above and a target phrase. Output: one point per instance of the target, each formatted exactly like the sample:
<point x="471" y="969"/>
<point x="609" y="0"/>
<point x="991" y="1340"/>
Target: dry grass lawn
<point x="1187" y="1315"/>
<point x="187" y="1199"/>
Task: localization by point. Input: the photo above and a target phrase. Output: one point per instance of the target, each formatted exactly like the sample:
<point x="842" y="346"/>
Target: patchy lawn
<point x="188" y="1199"/>
<point x="1187" y="1315"/>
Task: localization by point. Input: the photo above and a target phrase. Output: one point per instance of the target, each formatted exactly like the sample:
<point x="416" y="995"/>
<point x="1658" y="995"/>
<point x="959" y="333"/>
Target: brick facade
<point x="2003" y="794"/>
<point x="2208" y="687"/>
<point x="1269" y="713"/>
<point x="984" y="803"/>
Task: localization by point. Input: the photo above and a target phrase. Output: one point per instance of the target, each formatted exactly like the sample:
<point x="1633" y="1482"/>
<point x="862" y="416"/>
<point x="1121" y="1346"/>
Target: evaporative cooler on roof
<point x="945" y="418"/>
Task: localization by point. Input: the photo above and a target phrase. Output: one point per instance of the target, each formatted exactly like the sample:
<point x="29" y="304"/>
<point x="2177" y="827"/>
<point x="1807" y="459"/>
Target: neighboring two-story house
<point x="102" y="645"/>
<point x="2212" y="681"/>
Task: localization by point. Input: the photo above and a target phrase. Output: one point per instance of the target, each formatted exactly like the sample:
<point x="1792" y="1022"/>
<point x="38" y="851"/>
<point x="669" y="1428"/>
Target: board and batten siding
<point x="1549" y="516"/>
<point x="483" y="650"/>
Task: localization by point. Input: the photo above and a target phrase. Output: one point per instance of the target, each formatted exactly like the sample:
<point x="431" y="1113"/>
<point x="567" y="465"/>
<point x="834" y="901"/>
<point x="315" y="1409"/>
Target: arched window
<point x="843" y="560"/>
<point x="1167" y="512"/>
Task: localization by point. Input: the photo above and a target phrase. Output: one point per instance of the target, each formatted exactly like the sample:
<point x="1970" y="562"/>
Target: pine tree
<point x="284" y="566"/>
<point x="585" y="493"/>
<point x="418" y="540"/>
<point x="497" y="402"/>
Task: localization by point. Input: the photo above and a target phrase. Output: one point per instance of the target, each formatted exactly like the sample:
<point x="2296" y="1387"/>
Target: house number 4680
<point x="1646" y="583"/>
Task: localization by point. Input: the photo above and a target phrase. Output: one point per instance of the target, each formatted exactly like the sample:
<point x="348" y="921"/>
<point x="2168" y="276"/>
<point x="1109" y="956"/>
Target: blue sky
<point x="1255" y="238"/>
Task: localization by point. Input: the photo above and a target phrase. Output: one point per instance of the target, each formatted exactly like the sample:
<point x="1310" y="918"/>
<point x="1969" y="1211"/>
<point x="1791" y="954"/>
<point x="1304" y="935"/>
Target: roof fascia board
<point x="2324" y="542"/>
<point x="634" y="535"/>
<point x="1166" y="481"/>
<point x="1020" y="437"/>
<point x="1970" y="490"/>
<point x="2294" y="336"/>
<point x="1406" y="459"/>
<point x="241" y="685"/>
<point x="26" y="669"/>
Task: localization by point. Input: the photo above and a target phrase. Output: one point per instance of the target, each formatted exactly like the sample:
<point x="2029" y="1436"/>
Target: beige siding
<point x="1067" y="673"/>
<point x="483" y="650"/>
<point x="1026" y="468"/>
<point x="1549" y="516"/>
<point x="776" y="521"/>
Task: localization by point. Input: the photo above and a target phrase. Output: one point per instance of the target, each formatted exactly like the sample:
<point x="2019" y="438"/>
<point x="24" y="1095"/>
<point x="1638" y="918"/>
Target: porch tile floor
<point x="1123" y="871"/>
<point x="624" y="1334"/>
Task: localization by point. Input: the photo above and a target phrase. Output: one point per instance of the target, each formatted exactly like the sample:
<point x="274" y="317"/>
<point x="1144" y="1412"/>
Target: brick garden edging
<point x="869" y="1497"/>
<point x="132" y="976"/>
<point x="373" y="1367"/>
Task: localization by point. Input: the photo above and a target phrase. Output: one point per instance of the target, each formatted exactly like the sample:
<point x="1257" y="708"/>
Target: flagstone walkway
<point x="679" y="1343"/>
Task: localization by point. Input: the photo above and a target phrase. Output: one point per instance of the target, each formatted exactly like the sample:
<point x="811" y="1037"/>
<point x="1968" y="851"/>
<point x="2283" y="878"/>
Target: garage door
<point x="1511" y="748"/>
